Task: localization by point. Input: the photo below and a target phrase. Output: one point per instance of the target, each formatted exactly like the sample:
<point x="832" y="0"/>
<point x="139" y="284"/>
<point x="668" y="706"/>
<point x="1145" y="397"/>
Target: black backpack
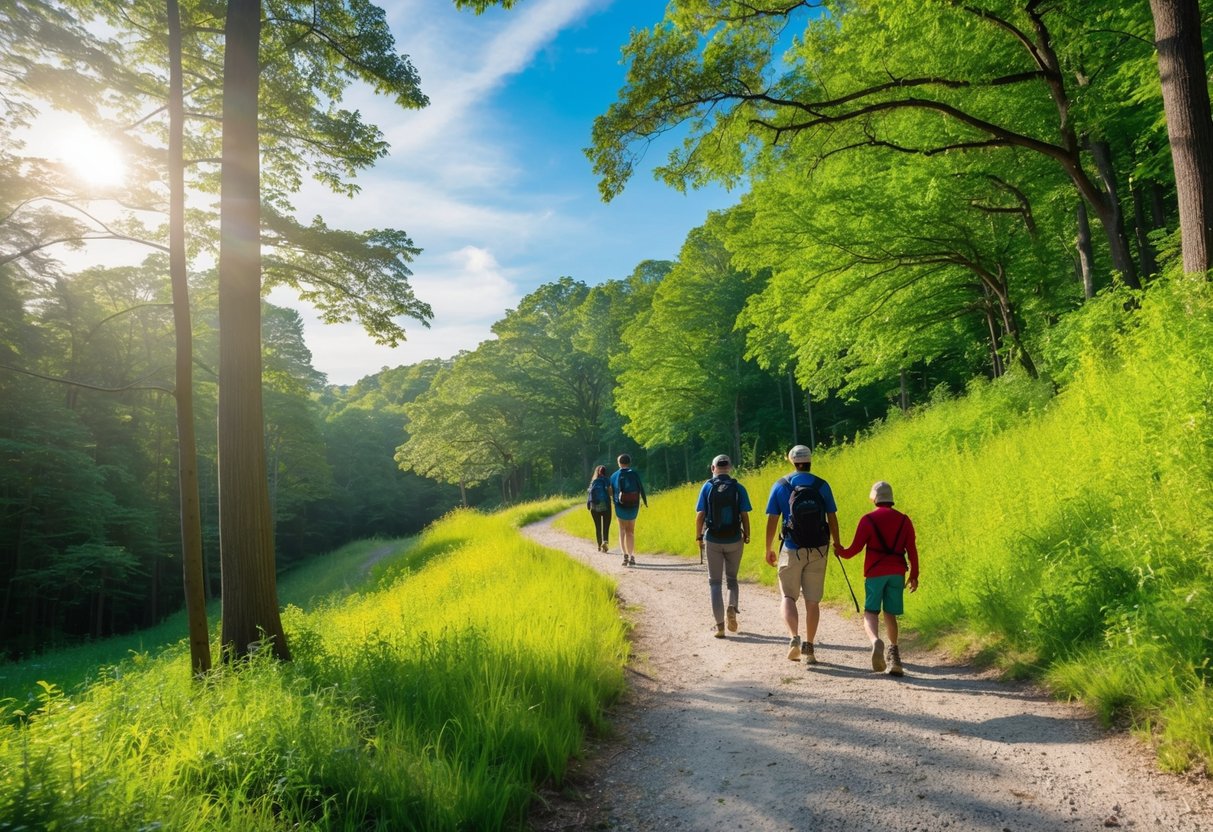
<point x="598" y="496"/>
<point x="806" y="524"/>
<point x="722" y="514"/>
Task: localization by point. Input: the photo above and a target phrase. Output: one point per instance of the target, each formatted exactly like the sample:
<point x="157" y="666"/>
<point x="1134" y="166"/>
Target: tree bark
<point x="1185" y="97"/>
<point x="187" y="445"/>
<point x="1142" y="228"/>
<point x="1086" y="252"/>
<point x="246" y="542"/>
<point x="1112" y="217"/>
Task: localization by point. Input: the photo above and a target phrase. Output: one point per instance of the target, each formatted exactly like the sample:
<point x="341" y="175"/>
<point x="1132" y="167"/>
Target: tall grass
<point x="1068" y="536"/>
<point x="334" y="574"/>
<point x="437" y="700"/>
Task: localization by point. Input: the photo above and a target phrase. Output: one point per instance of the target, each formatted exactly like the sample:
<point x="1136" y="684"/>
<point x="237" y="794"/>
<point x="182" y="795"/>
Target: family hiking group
<point x="801" y="509"/>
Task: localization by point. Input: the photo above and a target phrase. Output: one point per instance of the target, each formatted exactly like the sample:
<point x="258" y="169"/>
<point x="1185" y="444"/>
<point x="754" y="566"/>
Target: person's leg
<point x="812" y="617"/>
<point x="714" y="553"/>
<point x="874" y="598"/>
<point x="790" y="616"/>
<point x="732" y="565"/>
<point x="606" y="530"/>
<point x="597" y="516"/>
<point x="790" y="570"/>
<point x="893" y="607"/>
<point x="814" y="582"/>
<point x="627" y="532"/>
<point x="871" y="625"/>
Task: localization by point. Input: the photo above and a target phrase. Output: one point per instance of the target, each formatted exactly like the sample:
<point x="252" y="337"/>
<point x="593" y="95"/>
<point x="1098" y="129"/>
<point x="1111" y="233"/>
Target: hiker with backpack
<point x="598" y="501"/>
<point x="888" y="535"/>
<point x="627" y="492"/>
<point x="805" y="504"/>
<point x="722" y="528"/>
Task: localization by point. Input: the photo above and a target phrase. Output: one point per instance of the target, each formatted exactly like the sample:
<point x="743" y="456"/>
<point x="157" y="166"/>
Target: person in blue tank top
<point x="627" y="492"/>
<point x="803" y="552"/>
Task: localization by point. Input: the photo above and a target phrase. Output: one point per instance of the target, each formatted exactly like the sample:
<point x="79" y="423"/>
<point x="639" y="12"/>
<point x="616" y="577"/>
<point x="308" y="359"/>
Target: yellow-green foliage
<point x="436" y="701"/>
<point x="70" y="668"/>
<point x="1075" y="529"/>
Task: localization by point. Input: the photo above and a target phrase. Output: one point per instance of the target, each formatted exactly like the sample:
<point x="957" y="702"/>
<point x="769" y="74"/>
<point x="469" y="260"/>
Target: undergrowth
<point x="440" y="698"/>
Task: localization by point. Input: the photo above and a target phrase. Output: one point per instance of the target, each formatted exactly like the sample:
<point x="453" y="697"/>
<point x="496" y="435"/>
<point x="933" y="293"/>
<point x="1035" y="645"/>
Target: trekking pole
<point x="854" y="600"/>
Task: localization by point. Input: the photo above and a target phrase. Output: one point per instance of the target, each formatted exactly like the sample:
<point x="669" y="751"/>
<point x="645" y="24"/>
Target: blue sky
<point x="490" y="180"/>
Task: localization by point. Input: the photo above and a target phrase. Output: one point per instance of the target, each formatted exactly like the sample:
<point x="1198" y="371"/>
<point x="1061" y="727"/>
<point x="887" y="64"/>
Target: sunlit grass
<point x="336" y="573"/>
<point x="439" y="699"/>
<point x="1061" y="535"/>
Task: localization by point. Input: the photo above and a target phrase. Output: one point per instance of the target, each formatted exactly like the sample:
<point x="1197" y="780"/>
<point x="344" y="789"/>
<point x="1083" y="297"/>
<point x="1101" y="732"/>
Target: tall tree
<point x="1185" y="93"/>
<point x="969" y="78"/>
<point x="193" y="571"/>
<point x="246" y="536"/>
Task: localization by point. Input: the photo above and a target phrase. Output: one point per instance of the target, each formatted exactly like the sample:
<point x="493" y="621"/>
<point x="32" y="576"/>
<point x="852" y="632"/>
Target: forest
<point x="928" y="194"/>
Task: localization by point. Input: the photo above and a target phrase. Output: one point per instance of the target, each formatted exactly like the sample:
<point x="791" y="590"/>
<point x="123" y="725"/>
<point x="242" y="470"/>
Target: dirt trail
<point x="729" y="734"/>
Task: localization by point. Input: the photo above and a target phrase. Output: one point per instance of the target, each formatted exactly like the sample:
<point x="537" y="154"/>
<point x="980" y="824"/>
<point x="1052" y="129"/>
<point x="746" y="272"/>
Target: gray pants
<point x="724" y="559"/>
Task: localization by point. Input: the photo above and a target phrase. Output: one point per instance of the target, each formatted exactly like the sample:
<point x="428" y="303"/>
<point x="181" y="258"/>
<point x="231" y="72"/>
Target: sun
<point x="93" y="159"/>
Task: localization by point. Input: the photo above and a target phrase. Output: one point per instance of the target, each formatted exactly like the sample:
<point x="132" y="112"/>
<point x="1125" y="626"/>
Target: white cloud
<point x="463" y="63"/>
<point x="468" y="291"/>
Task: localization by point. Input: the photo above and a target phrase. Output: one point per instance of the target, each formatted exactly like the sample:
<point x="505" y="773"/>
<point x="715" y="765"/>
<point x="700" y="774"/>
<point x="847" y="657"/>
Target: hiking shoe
<point x="625" y="560"/>
<point x="632" y="560"/>
<point x="878" y="656"/>
<point x="794" y="649"/>
<point x="895" y="661"/>
<point x="731" y="617"/>
<point x="806" y="650"/>
<point x="719" y="631"/>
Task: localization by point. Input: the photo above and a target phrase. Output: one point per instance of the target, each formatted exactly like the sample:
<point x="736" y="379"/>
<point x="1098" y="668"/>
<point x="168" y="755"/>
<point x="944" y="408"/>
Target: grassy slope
<point x="1069" y="537"/>
<point x="339" y="572"/>
<point x="438" y="698"/>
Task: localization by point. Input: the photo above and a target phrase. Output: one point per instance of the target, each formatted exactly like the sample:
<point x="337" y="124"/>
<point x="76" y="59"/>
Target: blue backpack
<point x="598" y="496"/>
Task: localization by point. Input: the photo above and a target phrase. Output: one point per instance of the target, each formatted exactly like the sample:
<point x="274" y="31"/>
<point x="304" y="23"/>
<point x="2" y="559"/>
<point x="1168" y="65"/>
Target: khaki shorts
<point x="803" y="571"/>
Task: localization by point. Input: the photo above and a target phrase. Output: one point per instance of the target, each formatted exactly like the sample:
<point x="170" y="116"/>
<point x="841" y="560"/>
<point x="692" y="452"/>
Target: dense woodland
<point x="927" y="193"/>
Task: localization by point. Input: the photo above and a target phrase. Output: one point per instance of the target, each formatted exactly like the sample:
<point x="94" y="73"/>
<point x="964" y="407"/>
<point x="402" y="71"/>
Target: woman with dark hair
<point x="598" y="501"/>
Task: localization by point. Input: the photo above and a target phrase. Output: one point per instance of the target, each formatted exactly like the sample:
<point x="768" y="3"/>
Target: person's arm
<point x="745" y="527"/>
<point x="912" y="556"/>
<point x="643" y="496"/>
<point x="772" y="524"/>
<point x="832" y="521"/>
<point x="699" y="516"/>
<point x="857" y="542"/>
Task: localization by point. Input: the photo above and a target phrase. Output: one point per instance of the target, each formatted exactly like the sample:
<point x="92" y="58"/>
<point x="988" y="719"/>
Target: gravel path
<point x="729" y="734"/>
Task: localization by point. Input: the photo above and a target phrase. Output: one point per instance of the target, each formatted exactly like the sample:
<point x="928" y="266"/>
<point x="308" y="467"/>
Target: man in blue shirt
<point x="802" y="568"/>
<point x="722" y="528"/>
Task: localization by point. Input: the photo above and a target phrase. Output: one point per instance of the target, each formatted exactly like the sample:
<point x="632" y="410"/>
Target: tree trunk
<point x="1142" y="227"/>
<point x="903" y="392"/>
<point x="1185" y="97"/>
<point x="187" y="447"/>
<point x="792" y="407"/>
<point x="996" y="366"/>
<point x="1112" y="217"/>
<point x="246" y="542"/>
<point x="1086" y="252"/>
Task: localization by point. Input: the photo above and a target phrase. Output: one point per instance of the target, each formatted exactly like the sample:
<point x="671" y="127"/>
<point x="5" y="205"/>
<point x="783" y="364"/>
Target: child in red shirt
<point x="889" y="537"/>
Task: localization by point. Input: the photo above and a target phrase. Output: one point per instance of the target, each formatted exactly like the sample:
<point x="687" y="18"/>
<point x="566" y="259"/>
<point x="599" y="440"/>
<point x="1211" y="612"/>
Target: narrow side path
<point x="729" y="734"/>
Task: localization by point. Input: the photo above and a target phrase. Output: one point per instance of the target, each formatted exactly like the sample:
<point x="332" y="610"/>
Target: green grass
<point x="68" y="669"/>
<point x="438" y="698"/>
<point x="1068" y="537"/>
